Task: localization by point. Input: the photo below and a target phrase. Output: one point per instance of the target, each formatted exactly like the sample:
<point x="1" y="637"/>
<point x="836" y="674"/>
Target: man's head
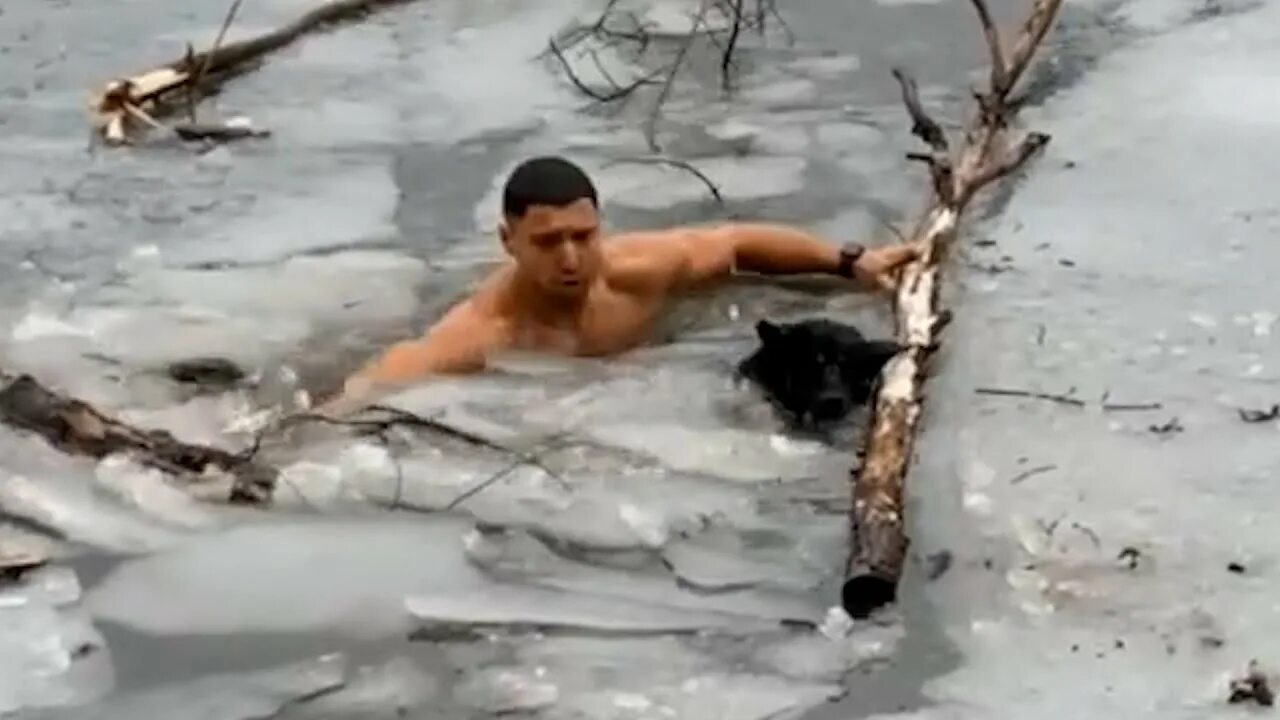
<point x="551" y="225"/>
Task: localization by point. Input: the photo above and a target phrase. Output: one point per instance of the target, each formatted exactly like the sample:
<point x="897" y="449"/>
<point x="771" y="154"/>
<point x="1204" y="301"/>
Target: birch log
<point x="126" y="102"/>
<point x="878" y="540"/>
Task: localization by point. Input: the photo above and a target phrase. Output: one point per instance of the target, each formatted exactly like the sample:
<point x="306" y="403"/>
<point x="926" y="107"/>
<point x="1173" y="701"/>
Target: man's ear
<point x="768" y="332"/>
<point x="504" y="234"/>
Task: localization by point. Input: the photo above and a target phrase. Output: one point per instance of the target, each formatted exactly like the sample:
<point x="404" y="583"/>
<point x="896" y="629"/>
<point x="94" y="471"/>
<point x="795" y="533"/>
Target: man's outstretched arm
<point x="458" y="343"/>
<point x="695" y="257"/>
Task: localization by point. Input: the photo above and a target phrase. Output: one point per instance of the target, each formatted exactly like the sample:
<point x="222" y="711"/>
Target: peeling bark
<point x="878" y="540"/>
<point x="138" y="99"/>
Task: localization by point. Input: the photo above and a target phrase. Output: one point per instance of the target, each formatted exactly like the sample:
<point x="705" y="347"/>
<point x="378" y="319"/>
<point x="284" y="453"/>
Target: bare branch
<point x="999" y="167"/>
<point x="922" y="126"/>
<point x="878" y="539"/>
<point x="726" y="59"/>
<point x="616" y="94"/>
<point x="941" y="173"/>
<point x="208" y="57"/>
<point x="673" y="162"/>
<point x="651" y="124"/>
<point x="1033" y="31"/>
<point x="992" y="34"/>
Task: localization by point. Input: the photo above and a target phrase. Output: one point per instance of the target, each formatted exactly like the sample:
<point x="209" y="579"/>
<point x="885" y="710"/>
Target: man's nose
<point x="569" y="257"/>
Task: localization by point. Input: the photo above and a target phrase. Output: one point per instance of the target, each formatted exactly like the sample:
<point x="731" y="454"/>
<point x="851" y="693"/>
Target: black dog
<point x="815" y="371"/>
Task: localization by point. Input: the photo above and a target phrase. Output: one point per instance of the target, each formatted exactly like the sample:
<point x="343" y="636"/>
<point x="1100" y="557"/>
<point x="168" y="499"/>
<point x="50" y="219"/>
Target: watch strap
<point x="849" y="255"/>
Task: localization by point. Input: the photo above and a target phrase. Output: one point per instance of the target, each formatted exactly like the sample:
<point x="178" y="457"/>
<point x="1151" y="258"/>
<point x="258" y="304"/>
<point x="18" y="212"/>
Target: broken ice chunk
<point x="545" y="607"/>
<point x="726" y="453"/>
<point x="518" y="556"/>
<point x="507" y="690"/>
<point x="148" y="490"/>
<point x="744" y="697"/>
<point x="50" y="653"/>
<point x="225" y="696"/>
<point x="68" y="507"/>
<point x="388" y="689"/>
<point x="713" y="568"/>
<point x="287" y="575"/>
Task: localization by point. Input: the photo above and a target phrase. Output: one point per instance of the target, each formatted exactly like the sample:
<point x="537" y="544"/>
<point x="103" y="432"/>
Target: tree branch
<point x="878" y="540"/>
<point x="922" y="126"/>
<point x="992" y="34"/>
<point x="150" y="90"/>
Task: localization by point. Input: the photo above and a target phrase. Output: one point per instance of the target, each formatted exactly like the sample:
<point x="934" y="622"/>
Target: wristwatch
<point x="849" y="255"/>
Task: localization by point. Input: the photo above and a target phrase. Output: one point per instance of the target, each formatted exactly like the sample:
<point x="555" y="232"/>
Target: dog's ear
<point x="879" y="352"/>
<point x="768" y="332"/>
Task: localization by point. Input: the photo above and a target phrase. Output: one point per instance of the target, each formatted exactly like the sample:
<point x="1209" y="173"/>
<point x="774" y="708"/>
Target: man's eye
<point x="582" y="236"/>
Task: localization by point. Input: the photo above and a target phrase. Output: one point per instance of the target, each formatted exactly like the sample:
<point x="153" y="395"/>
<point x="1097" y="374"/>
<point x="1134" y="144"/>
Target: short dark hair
<point x="545" y="180"/>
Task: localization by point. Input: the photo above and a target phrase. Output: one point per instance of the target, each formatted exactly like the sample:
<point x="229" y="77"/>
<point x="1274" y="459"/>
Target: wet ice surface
<point x="673" y="546"/>
<point x="1142" y="253"/>
<point x="674" y="551"/>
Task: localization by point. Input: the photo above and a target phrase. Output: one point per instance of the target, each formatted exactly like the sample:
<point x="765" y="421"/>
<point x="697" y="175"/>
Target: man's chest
<point x="608" y="325"/>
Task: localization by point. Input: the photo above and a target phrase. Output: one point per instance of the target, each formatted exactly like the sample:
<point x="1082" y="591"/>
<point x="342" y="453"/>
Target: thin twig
<point x="998" y="71"/>
<point x="922" y="126"/>
<point x="1033" y="32"/>
<point x="726" y="59"/>
<point x="189" y="61"/>
<point x="194" y="87"/>
<point x="1120" y="407"/>
<point x="1031" y="394"/>
<point x="1031" y="473"/>
<point x="587" y="90"/>
<point x="1029" y="145"/>
<point x="651" y="124"/>
<point x="1259" y="416"/>
<point x="681" y="164"/>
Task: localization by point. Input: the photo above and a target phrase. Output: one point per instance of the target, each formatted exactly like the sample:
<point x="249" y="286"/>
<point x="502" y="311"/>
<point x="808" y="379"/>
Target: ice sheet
<point x="1109" y="590"/>
<point x="50" y="653"/>
<point x="56" y="493"/>
<point x="347" y="576"/>
<point x="229" y="696"/>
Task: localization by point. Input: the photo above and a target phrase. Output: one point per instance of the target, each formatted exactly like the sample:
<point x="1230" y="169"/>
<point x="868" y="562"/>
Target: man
<point x="568" y="290"/>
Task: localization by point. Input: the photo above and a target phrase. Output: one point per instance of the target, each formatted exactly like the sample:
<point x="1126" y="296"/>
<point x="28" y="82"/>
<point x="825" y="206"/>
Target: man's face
<point x="558" y="248"/>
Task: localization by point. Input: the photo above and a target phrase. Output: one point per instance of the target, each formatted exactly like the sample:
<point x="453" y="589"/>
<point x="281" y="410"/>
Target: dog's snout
<point x="830" y="407"/>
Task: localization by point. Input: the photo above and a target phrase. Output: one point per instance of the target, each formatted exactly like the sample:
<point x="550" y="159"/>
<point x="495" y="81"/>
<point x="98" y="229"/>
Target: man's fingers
<point x="896" y="255"/>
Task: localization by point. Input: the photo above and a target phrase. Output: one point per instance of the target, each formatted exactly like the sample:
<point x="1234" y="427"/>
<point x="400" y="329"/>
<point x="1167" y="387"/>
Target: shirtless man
<point x="568" y="290"/>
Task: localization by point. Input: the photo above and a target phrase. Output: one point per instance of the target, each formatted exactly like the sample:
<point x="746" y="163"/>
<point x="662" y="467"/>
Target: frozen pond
<point x="673" y="552"/>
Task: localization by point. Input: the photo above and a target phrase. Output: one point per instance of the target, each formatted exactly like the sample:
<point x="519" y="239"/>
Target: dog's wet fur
<point x="815" y="372"/>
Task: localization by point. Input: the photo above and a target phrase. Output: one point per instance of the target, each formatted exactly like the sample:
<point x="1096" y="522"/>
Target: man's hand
<point x="877" y="267"/>
<point x="357" y="393"/>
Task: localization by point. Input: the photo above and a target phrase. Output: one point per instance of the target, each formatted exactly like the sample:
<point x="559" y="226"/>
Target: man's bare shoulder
<point x="646" y="260"/>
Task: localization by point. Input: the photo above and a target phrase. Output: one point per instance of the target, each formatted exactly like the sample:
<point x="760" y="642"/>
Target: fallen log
<point x="125" y="103"/>
<point x="878" y="540"/>
<point x="76" y="427"/>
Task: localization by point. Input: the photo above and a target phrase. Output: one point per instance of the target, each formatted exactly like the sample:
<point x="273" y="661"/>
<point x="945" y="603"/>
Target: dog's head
<point x="815" y="371"/>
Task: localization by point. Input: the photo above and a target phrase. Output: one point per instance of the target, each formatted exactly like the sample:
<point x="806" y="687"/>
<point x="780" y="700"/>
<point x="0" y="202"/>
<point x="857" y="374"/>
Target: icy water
<point x="675" y="551"/>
